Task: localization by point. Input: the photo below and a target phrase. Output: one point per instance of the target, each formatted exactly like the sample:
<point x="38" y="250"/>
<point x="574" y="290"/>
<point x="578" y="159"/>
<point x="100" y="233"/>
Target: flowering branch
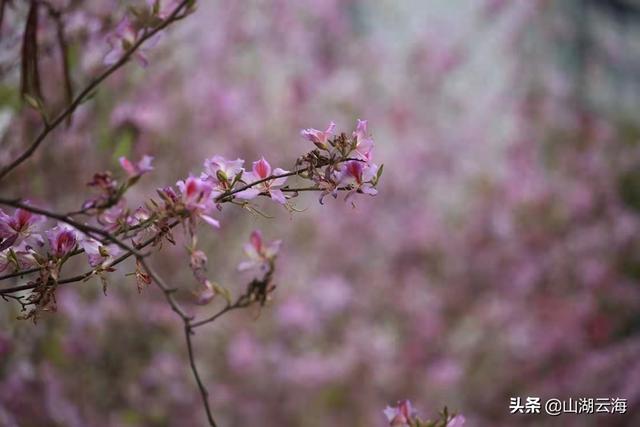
<point x="339" y="163"/>
<point x="343" y="165"/>
<point x="404" y="415"/>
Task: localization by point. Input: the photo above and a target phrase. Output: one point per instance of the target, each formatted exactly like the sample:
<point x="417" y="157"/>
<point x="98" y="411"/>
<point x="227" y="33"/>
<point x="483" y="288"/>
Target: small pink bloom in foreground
<point x="360" y="175"/>
<point x="17" y="227"/>
<point x="20" y="257"/>
<point x="196" y="193"/>
<point x="217" y="165"/>
<point x="122" y="40"/>
<point x="260" y="254"/>
<point x="457" y="421"/>
<point x="221" y="173"/>
<point x="364" y="142"/>
<point x="401" y="414"/>
<point x="97" y="253"/>
<point x="137" y="169"/>
<point x="318" y="137"/>
<point x="262" y="170"/>
<point x="62" y="240"/>
<point x="205" y="293"/>
<point x="197" y="198"/>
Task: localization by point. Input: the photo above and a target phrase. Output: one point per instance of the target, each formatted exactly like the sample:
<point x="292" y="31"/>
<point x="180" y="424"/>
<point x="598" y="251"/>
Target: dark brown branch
<point x="204" y="393"/>
<point x="224" y="196"/>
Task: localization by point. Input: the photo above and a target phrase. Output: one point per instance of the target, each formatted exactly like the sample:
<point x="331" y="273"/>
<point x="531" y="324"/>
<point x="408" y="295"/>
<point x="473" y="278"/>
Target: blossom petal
<point x="278" y="196"/>
<point x="248" y="194"/>
<point x="211" y="221"/>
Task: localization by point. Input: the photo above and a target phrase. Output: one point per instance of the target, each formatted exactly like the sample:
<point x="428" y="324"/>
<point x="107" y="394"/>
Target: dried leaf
<point x="142" y="277"/>
<point x="30" y="75"/>
<point x="66" y="67"/>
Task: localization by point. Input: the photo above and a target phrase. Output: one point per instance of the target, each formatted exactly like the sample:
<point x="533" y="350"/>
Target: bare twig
<point x="188" y="331"/>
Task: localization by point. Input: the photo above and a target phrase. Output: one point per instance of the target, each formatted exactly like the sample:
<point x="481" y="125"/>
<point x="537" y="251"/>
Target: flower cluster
<point x="17" y="228"/>
<point x="338" y="163"/>
<point x="349" y="160"/>
<point x="261" y="255"/>
<point x="404" y="415"/>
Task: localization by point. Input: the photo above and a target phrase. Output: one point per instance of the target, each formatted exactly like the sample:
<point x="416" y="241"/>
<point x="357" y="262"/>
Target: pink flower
<point x="260" y="255"/>
<point x="97" y="253"/>
<point x="137" y="169"/>
<point x="62" y="240"/>
<point x="140" y="215"/>
<point x="318" y="137"/>
<point x="457" y="421"/>
<point x="262" y="170"/>
<point x="222" y="173"/>
<point x="205" y="293"/>
<point x="20" y="256"/>
<point x="113" y="216"/>
<point x="364" y="142"/>
<point x="14" y="229"/>
<point x="122" y="40"/>
<point x="360" y="175"/>
<point x="401" y="414"/>
<point x="196" y="195"/>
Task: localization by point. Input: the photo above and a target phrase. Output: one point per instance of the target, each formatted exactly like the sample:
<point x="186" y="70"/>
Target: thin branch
<point x="226" y="309"/>
<point x="204" y="393"/>
<point x="87" y="229"/>
<point x="20" y="273"/>
<point x="224" y="196"/>
<point x="87" y="274"/>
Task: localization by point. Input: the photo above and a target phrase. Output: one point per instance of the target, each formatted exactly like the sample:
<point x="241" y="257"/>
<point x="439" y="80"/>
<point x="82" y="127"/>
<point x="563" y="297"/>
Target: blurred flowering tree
<point x="110" y="232"/>
<point x="500" y="258"/>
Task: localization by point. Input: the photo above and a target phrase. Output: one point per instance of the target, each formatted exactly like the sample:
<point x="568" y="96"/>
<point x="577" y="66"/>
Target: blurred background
<point x="500" y="259"/>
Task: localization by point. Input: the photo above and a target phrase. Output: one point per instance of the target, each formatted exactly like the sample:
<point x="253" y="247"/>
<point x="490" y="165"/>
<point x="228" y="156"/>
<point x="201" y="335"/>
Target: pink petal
<point x="248" y="194"/>
<point x="262" y="168"/>
<point x="113" y="56"/>
<point x="278" y="181"/>
<point x="278" y="196"/>
<point x="211" y="221"/>
<point x="127" y="166"/>
<point x="256" y="240"/>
